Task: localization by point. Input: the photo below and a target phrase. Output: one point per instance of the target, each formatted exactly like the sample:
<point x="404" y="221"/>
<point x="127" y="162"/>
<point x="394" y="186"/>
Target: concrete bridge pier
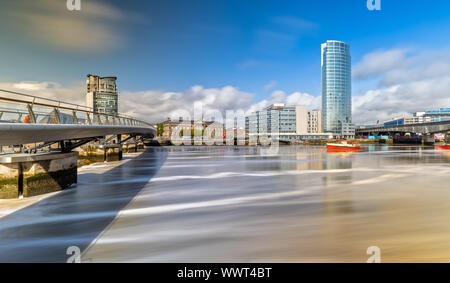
<point x="119" y="142"/>
<point x="26" y="175"/>
<point x="110" y="149"/>
<point x="113" y="151"/>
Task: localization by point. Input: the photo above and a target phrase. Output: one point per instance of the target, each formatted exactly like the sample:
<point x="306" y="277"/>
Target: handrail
<point x="87" y="110"/>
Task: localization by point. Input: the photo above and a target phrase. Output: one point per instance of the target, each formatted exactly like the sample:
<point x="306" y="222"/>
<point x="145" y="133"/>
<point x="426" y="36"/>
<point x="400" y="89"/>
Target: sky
<point x="228" y="54"/>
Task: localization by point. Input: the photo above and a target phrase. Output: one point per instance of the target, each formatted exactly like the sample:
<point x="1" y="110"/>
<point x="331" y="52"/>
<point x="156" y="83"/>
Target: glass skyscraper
<point x="336" y="87"/>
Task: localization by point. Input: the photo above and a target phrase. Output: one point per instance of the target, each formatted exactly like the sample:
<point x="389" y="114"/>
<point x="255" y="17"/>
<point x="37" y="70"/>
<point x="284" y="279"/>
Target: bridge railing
<point x="18" y="107"/>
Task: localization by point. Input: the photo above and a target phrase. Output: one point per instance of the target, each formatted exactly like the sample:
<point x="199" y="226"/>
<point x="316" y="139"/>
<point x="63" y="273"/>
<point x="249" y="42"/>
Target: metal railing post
<point x="31" y="113"/>
<point x="56" y="113"/>
<point x="99" y="120"/>
<point x="89" y="119"/>
<point x="75" y="119"/>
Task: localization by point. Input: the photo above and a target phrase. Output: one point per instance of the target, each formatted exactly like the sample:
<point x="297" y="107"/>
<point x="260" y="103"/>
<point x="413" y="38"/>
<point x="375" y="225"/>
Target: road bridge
<point x="419" y="128"/>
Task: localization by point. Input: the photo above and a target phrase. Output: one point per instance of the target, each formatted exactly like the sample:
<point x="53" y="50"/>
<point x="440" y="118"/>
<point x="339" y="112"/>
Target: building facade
<point x="403" y="121"/>
<point x="190" y="126"/>
<point x="287" y="122"/>
<point x="443" y="114"/>
<point x="101" y="94"/>
<point x="336" y="87"/>
<point x="315" y="121"/>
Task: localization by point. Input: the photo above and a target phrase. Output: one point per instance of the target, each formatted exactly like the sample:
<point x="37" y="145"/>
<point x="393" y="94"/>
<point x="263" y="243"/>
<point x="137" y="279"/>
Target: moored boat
<point x="343" y="146"/>
<point x="442" y="146"/>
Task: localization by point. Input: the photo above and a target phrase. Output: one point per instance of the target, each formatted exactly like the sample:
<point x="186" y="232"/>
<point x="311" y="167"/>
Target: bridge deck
<point x="14" y="133"/>
<point x="422" y="128"/>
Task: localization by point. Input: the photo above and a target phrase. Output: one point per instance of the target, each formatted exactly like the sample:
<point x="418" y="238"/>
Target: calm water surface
<point x="216" y="204"/>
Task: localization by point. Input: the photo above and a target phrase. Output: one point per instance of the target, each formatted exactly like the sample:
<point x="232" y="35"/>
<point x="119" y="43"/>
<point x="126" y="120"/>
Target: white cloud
<point x="296" y="98"/>
<point x="156" y="105"/>
<point x="73" y="93"/>
<point x="32" y="86"/>
<point x="270" y="85"/>
<point x="378" y="62"/>
<point x="418" y="82"/>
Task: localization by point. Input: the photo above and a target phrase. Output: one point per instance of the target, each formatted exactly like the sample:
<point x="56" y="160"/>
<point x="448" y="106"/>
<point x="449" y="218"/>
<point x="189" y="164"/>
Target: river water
<point x="238" y="204"/>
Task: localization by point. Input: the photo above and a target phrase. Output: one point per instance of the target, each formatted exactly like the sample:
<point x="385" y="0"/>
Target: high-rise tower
<point x="336" y="88"/>
<point x="101" y="94"/>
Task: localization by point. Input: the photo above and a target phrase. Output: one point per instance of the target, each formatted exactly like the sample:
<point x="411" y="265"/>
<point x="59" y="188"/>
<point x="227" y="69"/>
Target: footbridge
<point x="43" y="139"/>
<point x="27" y="119"/>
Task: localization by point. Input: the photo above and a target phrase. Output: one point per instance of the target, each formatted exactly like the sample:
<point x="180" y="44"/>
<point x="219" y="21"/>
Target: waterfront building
<point x="403" y="121"/>
<point x="287" y="122"/>
<point x="443" y="114"/>
<point x="101" y="94"/>
<point x="348" y="130"/>
<point x="169" y="125"/>
<point x="315" y="121"/>
<point x="336" y="88"/>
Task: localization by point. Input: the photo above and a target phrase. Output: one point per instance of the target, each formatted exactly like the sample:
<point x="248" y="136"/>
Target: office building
<point x="336" y="88"/>
<point x="287" y="122"/>
<point x="404" y="121"/>
<point x="101" y="94"/>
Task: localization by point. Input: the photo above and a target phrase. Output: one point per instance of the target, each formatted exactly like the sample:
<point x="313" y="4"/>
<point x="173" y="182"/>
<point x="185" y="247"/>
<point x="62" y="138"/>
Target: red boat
<point x="343" y="146"/>
<point x="445" y="146"/>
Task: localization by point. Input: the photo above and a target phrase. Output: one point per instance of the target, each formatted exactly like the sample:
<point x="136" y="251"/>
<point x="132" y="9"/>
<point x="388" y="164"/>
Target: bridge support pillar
<point x="35" y="174"/>
<point x="112" y="152"/>
<point x="119" y="142"/>
<point x="101" y="153"/>
<point x="428" y="139"/>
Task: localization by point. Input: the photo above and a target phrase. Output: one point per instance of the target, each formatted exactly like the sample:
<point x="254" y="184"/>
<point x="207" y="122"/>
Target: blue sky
<point x="257" y="46"/>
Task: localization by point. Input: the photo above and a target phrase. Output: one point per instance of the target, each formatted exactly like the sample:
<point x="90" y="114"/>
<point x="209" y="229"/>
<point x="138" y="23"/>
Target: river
<point x="237" y="204"/>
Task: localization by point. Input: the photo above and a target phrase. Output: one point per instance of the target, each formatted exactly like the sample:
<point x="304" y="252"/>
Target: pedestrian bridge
<point x="26" y="119"/>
